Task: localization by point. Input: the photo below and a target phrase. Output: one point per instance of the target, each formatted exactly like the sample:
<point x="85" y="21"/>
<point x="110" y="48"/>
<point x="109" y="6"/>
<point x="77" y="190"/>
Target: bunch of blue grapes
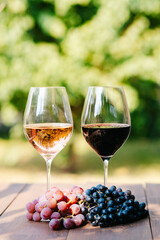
<point x="106" y="207"/>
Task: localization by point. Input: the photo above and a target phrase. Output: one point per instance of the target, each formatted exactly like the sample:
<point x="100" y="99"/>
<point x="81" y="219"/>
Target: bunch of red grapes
<point x="61" y="209"/>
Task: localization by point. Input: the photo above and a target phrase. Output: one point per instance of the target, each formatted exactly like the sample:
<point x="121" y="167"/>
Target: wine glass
<point x="105" y="121"/>
<point x="48" y="122"/>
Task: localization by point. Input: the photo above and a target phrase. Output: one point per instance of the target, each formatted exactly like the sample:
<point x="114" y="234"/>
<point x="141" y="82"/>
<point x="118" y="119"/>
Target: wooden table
<point x="14" y="226"/>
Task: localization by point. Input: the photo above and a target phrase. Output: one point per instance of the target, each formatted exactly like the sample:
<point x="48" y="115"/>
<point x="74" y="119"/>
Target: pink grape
<point x="42" y="198"/>
<point x="76" y="190"/>
<point x="65" y="198"/>
<point x="29" y="216"/>
<point x="77" y="220"/>
<point x="56" y="205"/>
<point x="30" y="207"/>
<point x="54" y="189"/>
<point x="36" y="217"/>
<point x="49" y="194"/>
<point x="75" y="209"/>
<point x="65" y="213"/>
<point x="38" y="208"/>
<point x="52" y="203"/>
<point x="72" y="198"/>
<point x="55" y="215"/>
<point x="46" y="213"/>
<point x="55" y="224"/>
<point x="58" y="195"/>
<point x="62" y="206"/>
<point x="81" y="216"/>
<point x="68" y="223"/>
<point x="80" y="196"/>
<point x="35" y="201"/>
<point x="43" y="203"/>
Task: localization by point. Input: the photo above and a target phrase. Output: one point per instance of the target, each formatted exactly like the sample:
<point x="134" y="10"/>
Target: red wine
<point x="106" y="138"/>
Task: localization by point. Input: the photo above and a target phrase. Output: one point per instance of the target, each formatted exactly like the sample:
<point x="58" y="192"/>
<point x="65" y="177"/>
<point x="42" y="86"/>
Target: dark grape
<point x="142" y="205"/>
<point x="102" y="188"/>
<point x="93" y="189"/>
<point x="121" y="193"/>
<point x="110" y="203"/>
<point x="119" y="190"/>
<point x="115" y="194"/>
<point x="112" y="210"/>
<point x="98" y="186"/>
<point x="84" y="210"/>
<point x="113" y="206"/>
<point x="88" y="192"/>
<point x="108" y="199"/>
<point x="136" y="204"/>
<point x="101" y="200"/>
<point x="90" y="217"/>
<point x="113" y="188"/>
<point x="101" y="224"/>
<point x="131" y="202"/>
<point x="104" y="211"/>
<point x="101" y="205"/>
<point x="132" y="197"/>
<point x="128" y="192"/>
<point x="95" y="200"/>
<point x="97" y="210"/>
<point x="89" y="199"/>
<point x="97" y="217"/>
<point x="95" y="195"/>
<point x="94" y="223"/>
<point x="101" y="195"/>
<point x="105" y="218"/>
<point x="108" y="193"/>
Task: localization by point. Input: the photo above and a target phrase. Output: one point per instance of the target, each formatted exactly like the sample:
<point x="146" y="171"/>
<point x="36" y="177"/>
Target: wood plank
<point x="137" y="230"/>
<point x="153" y="198"/>
<point x="8" y="193"/>
<point x="14" y="225"/>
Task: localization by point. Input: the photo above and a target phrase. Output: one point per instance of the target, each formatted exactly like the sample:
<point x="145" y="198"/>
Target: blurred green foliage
<point x="77" y="44"/>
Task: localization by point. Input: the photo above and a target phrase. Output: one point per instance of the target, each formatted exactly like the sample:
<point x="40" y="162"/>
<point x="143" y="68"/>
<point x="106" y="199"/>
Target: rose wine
<point x="48" y="138"/>
<point x="106" y="138"/>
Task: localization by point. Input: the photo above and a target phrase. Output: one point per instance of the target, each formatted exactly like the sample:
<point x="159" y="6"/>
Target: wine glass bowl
<point x="105" y="121"/>
<point x="48" y="122"/>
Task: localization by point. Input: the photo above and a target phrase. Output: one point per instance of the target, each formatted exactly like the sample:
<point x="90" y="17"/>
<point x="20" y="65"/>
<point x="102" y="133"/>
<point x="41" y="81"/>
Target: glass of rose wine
<point x="105" y="121"/>
<point x="48" y="122"/>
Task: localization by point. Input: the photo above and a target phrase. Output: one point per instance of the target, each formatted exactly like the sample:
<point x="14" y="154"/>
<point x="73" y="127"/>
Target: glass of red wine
<point x="48" y="122"/>
<point x="105" y="121"/>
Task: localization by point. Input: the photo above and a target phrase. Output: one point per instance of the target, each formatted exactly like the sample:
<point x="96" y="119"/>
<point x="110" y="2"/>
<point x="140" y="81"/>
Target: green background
<point x="77" y="44"/>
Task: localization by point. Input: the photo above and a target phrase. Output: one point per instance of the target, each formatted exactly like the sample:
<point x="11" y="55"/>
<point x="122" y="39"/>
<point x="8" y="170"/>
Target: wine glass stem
<point x="106" y="161"/>
<point x="48" y="164"/>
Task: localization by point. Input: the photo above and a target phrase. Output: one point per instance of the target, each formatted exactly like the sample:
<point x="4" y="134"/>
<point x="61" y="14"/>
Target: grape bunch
<point x="61" y="209"/>
<point x="111" y="206"/>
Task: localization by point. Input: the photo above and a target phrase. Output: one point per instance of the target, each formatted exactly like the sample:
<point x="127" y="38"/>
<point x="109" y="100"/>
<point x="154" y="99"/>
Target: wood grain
<point x="8" y="193"/>
<point x="139" y="230"/>
<point x="153" y="198"/>
<point x="14" y="225"/>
